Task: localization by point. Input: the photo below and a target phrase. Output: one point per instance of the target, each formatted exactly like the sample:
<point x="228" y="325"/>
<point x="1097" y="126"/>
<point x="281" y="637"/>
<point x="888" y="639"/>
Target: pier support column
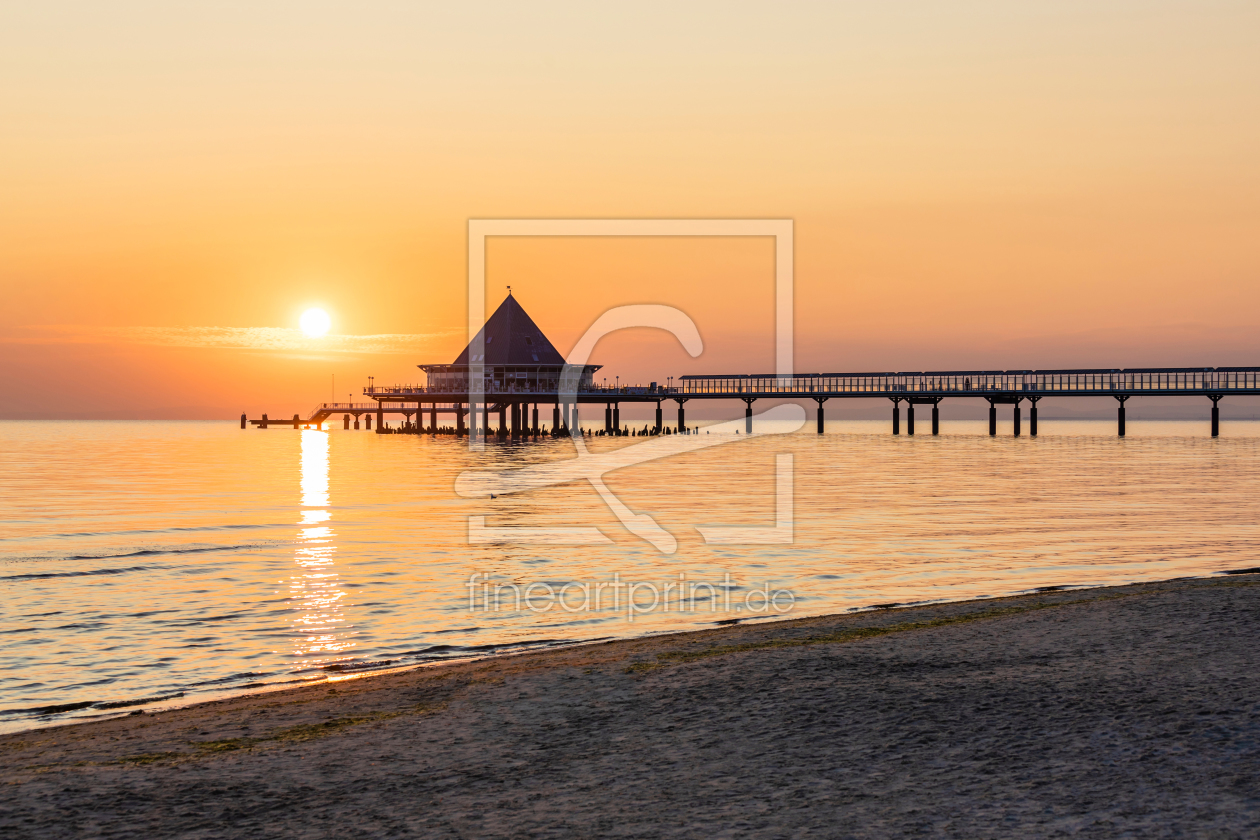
<point x="992" y="418"/>
<point x="936" y="418"/>
<point x="659" y="423"/>
<point x="1032" y="415"/>
<point x="909" y="417"/>
<point x="535" y="423"/>
<point x="367" y="420"/>
<point x="748" y="416"/>
<point x="380" y="418"/>
<point x="263" y="424"/>
<point x="345" y="421"/>
<point x="896" y="416"/>
<point x="1120" y="416"/>
<point x="576" y="427"/>
<point x="682" y="422"/>
<point x="607" y="418"/>
<point x="433" y="416"/>
<point x="1216" y="414"/>
<point x="1017" y="418"/>
<point x="555" y="417"/>
<point x="503" y="421"/>
<point x="616" y="418"/>
<point x="356" y="421"/>
<point x="459" y="418"/>
<point x="820" y="401"/>
<point x="244" y="422"/>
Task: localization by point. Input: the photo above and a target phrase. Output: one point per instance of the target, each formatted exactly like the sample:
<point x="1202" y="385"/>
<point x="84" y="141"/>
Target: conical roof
<point x="512" y="338"/>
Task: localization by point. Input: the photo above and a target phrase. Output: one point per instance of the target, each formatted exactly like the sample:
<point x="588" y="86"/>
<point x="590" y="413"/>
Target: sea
<point x="151" y="564"/>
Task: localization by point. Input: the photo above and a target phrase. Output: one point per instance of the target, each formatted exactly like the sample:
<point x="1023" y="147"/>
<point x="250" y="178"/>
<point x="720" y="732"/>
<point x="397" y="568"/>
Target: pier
<point x="521" y="375"/>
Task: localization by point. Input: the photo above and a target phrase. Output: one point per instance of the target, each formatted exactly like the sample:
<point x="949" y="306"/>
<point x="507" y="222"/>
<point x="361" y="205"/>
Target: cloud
<point x="258" y="339"/>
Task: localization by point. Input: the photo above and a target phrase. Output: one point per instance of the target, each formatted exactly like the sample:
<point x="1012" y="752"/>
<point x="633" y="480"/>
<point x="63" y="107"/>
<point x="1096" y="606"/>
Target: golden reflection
<point x="320" y="629"/>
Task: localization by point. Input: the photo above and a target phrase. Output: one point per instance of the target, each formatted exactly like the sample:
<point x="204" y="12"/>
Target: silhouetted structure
<point x="519" y="367"/>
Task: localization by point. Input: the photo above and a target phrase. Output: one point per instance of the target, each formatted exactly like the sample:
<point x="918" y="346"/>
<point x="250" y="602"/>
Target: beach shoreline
<point x="951" y="719"/>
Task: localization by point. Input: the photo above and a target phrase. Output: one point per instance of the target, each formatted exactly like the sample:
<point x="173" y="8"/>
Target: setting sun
<point x="315" y="322"/>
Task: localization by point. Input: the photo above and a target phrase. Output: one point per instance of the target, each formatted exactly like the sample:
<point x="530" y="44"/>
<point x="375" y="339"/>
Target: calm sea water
<point x="153" y="559"/>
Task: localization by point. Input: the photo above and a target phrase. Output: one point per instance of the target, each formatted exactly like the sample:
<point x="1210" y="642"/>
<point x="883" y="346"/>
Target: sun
<point x="315" y="322"/>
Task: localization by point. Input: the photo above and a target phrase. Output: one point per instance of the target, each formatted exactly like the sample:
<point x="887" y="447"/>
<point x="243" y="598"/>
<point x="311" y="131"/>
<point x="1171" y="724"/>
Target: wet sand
<point x="1120" y="712"/>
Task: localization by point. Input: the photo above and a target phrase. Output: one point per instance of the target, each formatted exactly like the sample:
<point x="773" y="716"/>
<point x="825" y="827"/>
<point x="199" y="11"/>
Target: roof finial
<point x="509" y="291"/>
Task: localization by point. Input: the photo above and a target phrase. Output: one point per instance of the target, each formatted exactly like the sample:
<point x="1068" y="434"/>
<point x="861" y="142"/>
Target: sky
<point x="973" y="185"/>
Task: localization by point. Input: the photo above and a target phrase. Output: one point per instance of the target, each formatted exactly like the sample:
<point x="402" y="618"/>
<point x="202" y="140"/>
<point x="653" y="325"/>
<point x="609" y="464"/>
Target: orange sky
<point x="973" y="185"/>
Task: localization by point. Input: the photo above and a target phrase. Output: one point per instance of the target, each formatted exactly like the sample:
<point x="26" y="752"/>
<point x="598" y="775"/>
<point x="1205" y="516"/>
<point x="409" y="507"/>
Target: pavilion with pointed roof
<point x="512" y="354"/>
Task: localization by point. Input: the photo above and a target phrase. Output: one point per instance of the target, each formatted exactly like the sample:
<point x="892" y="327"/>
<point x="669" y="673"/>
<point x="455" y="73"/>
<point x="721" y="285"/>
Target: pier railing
<point x="975" y="383"/>
<point x="980" y="383"/>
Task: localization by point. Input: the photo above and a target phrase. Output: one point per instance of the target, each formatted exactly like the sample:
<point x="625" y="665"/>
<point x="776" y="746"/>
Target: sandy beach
<point x="1118" y="712"/>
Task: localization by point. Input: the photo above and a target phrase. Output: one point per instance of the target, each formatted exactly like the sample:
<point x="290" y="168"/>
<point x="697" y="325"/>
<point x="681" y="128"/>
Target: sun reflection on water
<point x="321" y="634"/>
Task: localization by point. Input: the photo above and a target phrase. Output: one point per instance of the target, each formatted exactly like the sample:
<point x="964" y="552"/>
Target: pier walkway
<point x="511" y="394"/>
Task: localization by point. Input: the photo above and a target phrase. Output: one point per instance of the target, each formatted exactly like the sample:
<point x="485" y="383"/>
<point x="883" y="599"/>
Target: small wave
<point x="141" y="532"/>
<point x="143" y="552"/>
<point x="123" y="704"/>
<point x="77" y="574"/>
<point x="345" y="667"/>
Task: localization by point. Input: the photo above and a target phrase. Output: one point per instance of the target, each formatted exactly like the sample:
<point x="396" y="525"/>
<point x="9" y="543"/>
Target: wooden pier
<point x="520" y="374"/>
